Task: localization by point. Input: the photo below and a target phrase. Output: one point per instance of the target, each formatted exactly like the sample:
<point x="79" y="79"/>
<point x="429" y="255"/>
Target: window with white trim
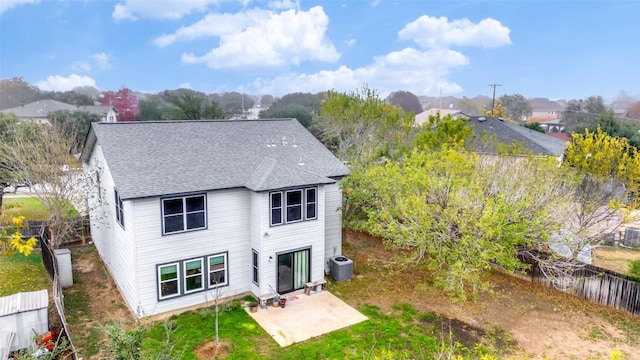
<point x="217" y="270"/>
<point x="119" y="211"/>
<point x="184" y="213"/>
<point x="254" y="260"/>
<point x="293" y="205"/>
<point x="169" y="282"/>
<point x="193" y="276"/>
<point x="185" y="277"/>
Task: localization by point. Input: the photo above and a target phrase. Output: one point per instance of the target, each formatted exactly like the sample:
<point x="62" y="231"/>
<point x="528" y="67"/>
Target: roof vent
<point x="482" y="118"/>
<point x="300" y="162"/>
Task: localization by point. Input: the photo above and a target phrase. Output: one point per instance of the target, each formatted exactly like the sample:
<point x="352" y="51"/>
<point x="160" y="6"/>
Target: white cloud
<point x="186" y="85"/>
<point x="100" y="61"/>
<point x="261" y="38"/>
<point x="8" y="4"/>
<point x="284" y="4"/>
<point x="61" y="83"/>
<point x="350" y="42"/>
<point x="158" y="9"/>
<point x="421" y="72"/>
<point x="432" y="32"/>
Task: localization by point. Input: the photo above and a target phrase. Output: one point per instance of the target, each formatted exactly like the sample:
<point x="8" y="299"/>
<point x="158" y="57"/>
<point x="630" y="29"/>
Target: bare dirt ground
<point x="543" y="323"/>
<point x="532" y="321"/>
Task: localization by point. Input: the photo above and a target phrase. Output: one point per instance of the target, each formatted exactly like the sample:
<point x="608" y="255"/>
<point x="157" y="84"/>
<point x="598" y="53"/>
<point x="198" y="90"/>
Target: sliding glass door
<point x="293" y="270"/>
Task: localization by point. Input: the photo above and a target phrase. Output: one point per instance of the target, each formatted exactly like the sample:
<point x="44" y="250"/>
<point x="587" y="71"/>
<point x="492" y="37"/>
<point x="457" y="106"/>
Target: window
<point x="293" y="205"/>
<point x="119" y="211"/>
<point x="276" y="208"/>
<point x="255" y="267"/>
<point x="217" y="270"/>
<point x="185" y="277"/>
<point x="193" y="278"/>
<point x="183" y="214"/>
<point x="310" y="197"/>
<point x="168" y="275"/>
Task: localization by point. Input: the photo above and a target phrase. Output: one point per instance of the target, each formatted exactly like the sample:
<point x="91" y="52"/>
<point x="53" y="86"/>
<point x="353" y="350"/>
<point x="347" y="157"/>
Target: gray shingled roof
<point x="538" y="143"/>
<point x="39" y="109"/>
<point x="170" y="157"/>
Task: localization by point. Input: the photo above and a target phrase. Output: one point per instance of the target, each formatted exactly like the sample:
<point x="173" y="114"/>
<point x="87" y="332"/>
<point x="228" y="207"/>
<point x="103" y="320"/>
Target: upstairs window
<point x="183" y="214"/>
<point x="293" y="205"/>
<point x="119" y="211"/>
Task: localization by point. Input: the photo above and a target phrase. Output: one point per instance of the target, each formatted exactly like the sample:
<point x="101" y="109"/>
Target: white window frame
<point x="225" y="269"/>
<point x="160" y="281"/>
<point x="186" y="276"/>
<point x="119" y="208"/>
<point x="184" y="213"/>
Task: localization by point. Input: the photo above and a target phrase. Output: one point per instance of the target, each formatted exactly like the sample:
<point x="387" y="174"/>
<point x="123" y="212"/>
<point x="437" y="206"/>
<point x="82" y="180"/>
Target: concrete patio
<point x="305" y="317"/>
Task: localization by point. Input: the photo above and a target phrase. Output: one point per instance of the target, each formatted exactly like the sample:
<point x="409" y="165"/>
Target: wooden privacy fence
<point x="596" y="284"/>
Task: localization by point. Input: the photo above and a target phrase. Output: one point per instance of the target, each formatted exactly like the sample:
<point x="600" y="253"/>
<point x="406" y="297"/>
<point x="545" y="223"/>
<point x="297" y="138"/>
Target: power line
<point x="493" y="102"/>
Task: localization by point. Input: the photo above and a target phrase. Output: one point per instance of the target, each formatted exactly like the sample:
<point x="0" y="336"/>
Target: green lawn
<point x="29" y="207"/>
<point x="22" y="273"/>
<point x="403" y="333"/>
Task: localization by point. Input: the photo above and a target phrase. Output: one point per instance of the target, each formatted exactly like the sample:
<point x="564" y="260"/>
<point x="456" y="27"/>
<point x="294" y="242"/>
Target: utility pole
<point x="493" y="102"/>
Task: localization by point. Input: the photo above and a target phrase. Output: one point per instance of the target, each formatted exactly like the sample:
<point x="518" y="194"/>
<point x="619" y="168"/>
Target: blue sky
<point x="556" y="49"/>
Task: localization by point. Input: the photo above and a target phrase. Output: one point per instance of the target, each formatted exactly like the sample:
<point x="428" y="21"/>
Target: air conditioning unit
<point x="631" y="237"/>
<point x="341" y="268"/>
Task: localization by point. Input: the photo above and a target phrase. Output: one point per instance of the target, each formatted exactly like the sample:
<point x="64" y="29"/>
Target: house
<point x="507" y="133"/>
<point x="423" y="117"/>
<point x="544" y="110"/>
<point x="183" y="209"/>
<point x="39" y="110"/>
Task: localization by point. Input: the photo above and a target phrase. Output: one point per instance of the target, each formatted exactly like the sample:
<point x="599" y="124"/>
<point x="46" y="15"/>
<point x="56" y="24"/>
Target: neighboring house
<point x="183" y="208"/>
<point x="544" y="110"/>
<point x="423" y="117"/>
<point x="107" y="113"/>
<point x="537" y="142"/>
<point x="39" y="110"/>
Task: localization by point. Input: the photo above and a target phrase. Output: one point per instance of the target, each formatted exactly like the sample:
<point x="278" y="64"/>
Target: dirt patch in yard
<point x="92" y="302"/>
<point x="209" y="350"/>
<point x="531" y="320"/>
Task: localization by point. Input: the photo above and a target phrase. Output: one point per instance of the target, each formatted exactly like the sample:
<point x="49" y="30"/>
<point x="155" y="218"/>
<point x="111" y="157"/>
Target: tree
<point x="235" y="103"/>
<point x="152" y="108"/>
<point x="302" y="106"/>
<point x="11" y="240"/>
<point x="266" y="101"/>
<point x="499" y="111"/>
<point x="75" y="124"/>
<point x="15" y="92"/>
<point x="518" y="107"/>
<point x="406" y="101"/>
<point x="7" y="177"/>
<point x="186" y="104"/>
<point x="471" y="107"/>
<point x="40" y="154"/>
<point x="534" y="126"/>
<point x="633" y="111"/>
<point x="578" y="114"/>
<point x="69" y="97"/>
<point x="125" y="101"/>
<point x="361" y="128"/>
<point x="456" y="213"/>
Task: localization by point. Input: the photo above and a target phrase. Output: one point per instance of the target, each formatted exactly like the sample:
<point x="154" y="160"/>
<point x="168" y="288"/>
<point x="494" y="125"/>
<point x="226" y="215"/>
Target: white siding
<point x="115" y="245"/>
<point x="333" y="222"/>
<point x="257" y="231"/>
<point x="228" y="230"/>
<point x="290" y="237"/>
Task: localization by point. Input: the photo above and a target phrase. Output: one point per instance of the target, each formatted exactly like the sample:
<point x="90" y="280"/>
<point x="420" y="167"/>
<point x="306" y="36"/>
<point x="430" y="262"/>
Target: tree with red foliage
<point x="125" y="101"/>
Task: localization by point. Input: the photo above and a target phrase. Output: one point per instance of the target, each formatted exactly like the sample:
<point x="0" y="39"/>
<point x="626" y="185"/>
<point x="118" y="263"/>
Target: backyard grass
<point x="615" y="258"/>
<point x="403" y="333"/>
<point x="19" y="273"/>
<point x="29" y="207"/>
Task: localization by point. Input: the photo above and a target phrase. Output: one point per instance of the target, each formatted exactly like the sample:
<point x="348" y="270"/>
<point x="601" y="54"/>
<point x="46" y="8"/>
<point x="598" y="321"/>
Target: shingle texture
<point x="171" y="157"/>
<point x="538" y="143"/>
